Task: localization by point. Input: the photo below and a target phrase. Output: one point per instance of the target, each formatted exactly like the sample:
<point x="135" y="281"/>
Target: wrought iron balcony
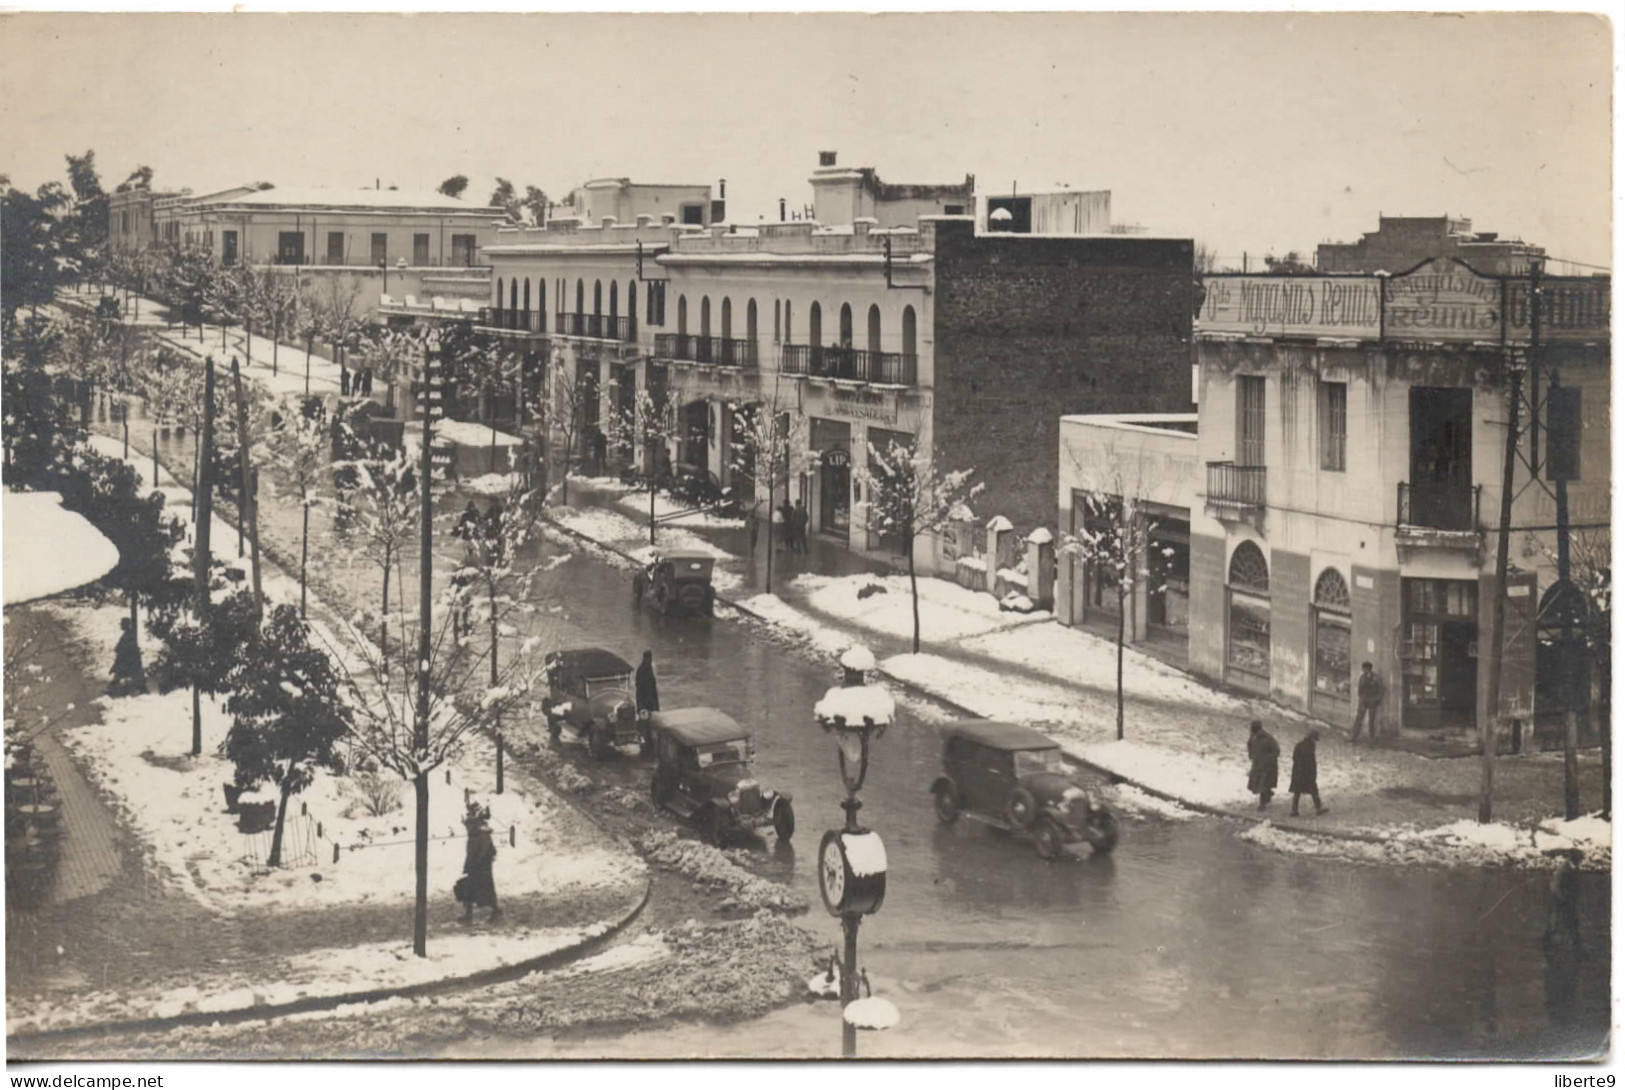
<point x="852" y="364"/>
<point x="518" y="321"/>
<point x="722" y="351"/>
<point x="1447" y="507"/>
<point x="1234" y="486"/>
<point x="601" y="327"/>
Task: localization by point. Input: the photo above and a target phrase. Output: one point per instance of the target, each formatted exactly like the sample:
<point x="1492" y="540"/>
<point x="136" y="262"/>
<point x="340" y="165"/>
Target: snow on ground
<point x="1460" y="843"/>
<point x="467" y="434"/>
<point x="613" y="528"/>
<point x="948" y="611"/>
<point x="490" y="484"/>
<point x="774" y="610"/>
<point x="317" y="974"/>
<point x="711" y="866"/>
<point x="49" y="549"/>
<point x="636" y="501"/>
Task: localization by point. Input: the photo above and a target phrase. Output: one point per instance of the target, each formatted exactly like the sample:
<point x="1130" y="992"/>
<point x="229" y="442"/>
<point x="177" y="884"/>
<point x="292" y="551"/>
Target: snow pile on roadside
<point x="795" y="624"/>
<point x="316" y="974"/>
<point x="710" y="867"/>
<point x="489" y="484"/>
<point x="49" y="549"/>
<point x="716" y="972"/>
<point x="611" y="528"/>
<point x="1131" y="799"/>
<point x="948" y="611"/>
<point x="636" y="501"/>
<point x="1199" y="778"/>
<point x="467" y="434"/>
<point x="1463" y="843"/>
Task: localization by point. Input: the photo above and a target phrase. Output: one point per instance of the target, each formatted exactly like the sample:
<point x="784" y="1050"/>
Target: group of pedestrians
<point x="1263" y="773"/>
<point x="793" y="522"/>
<point x="357" y="383"/>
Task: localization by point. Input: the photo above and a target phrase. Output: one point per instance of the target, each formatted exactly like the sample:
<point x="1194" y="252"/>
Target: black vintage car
<point x="589" y="690"/>
<point x="1012" y="777"/>
<point x="677" y="580"/>
<point x="702" y="771"/>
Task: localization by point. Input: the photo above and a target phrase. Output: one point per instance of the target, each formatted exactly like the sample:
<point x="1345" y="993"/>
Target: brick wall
<point x="1028" y="329"/>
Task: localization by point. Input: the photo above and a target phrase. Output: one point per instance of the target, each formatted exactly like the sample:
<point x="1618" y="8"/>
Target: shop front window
<point x="1332" y="645"/>
<point x="1248" y="648"/>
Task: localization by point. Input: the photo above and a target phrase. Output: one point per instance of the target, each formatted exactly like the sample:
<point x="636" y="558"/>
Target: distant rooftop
<point x="349" y="198"/>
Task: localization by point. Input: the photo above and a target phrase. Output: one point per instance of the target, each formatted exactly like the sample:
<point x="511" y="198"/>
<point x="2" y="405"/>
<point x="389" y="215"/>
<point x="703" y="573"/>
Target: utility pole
<point x="420" y="722"/>
<point x="205" y="517"/>
<point x="1489" y="715"/>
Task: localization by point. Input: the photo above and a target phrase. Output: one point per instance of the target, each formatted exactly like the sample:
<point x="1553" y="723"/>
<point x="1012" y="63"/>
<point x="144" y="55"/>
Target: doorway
<point x="835" y="493"/>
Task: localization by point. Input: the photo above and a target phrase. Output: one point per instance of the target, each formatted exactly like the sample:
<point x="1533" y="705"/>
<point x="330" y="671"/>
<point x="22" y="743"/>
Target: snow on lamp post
<point x="852" y="860"/>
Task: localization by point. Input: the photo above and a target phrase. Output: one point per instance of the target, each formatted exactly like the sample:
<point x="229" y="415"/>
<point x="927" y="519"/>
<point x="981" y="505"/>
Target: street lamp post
<point x="852" y="860"/>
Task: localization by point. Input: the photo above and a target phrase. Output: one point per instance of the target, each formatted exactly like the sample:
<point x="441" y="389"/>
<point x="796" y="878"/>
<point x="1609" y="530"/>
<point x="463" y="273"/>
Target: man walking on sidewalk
<point x="1369" y="693"/>
<point x="1265" y="754"/>
<point x="1306" y="772"/>
<point x="799" y="524"/>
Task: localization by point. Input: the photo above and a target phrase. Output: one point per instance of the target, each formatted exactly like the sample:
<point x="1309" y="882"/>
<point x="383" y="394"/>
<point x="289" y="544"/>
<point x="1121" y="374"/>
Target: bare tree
<point x="384" y="508"/>
<point x="414" y="708"/>
<point x="572" y="394"/>
<point x="650" y="421"/>
<point x="767" y="438"/>
<point x="909" y="496"/>
<point x="300" y="447"/>
<point x="1116" y="541"/>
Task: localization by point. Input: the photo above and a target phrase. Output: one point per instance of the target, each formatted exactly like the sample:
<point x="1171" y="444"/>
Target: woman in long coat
<point x="1265" y="754"/>
<point x="478" y="888"/>
<point x="1306" y="772"/>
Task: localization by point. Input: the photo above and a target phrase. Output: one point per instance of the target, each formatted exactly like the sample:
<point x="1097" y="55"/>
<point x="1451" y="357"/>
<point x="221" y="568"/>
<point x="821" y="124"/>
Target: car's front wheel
<point x="714" y="824"/>
<point x="1020" y="808"/>
<point x="1102" y="831"/>
<point x="784" y="820"/>
<point x="1048" y="840"/>
<point x="660" y="788"/>
<point x="598" y="744"/>
<point x="947" y="804"/>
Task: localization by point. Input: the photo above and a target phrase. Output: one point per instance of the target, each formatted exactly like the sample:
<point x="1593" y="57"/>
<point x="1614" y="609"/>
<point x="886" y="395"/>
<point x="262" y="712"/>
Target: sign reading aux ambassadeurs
<point x="1439" y="300"/>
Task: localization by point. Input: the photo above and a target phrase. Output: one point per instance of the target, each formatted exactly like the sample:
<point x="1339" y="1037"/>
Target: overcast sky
<point x="1251" y="133"/>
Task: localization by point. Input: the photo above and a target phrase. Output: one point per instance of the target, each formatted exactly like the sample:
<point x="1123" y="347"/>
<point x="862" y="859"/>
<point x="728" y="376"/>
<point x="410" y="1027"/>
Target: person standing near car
<point x="1264" y="753"/>
<point x="1306" y="772"/>
<point x="1368" y="691"/>
<point x="648" y="693"/>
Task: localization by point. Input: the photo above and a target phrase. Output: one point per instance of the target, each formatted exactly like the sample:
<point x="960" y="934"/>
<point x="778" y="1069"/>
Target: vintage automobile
<point x="678" y="580"/>
<point x="589" y="690"/>
<point x="1012" y="777"/>
<point x="702" y="771"/>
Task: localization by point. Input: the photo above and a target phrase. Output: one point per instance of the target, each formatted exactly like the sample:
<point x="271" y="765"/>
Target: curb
<point x="920" y="691"/>
<point x="495" y="975"/>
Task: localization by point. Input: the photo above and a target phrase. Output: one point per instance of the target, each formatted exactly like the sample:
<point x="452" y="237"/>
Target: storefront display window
<point x="1333" y="669"/>
<point x="1248" y="649"/>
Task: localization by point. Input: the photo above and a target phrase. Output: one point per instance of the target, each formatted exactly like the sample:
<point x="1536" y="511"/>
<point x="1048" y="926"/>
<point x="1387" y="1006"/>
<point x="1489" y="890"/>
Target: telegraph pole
<point x="1489" y="715"/>
<point x="420" y="722"/>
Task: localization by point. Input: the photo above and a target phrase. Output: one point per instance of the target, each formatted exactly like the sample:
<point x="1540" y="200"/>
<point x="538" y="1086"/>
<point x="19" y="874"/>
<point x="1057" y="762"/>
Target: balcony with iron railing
<point x="1438" y="516"/>
<point x="1235" y="491"/>
<point x="720" y="351"/>
<point x="501" y="320"/>
<point x="850" y="364"/>
<point x="603" y="327"/>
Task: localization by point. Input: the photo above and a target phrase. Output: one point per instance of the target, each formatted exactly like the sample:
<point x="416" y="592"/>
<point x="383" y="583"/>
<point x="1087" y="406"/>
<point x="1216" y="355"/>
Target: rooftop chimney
<point x="722" y="188"/>
<point x="781" y="209"/>
<point x="826" y="158"/>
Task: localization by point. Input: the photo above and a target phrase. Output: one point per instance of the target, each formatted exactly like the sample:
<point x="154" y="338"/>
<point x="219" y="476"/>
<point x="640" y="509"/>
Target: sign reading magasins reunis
<point x="1285" y="306"/>
<point x="1440" y="300"/>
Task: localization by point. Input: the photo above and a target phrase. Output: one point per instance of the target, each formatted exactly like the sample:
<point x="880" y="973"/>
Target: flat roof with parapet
<point x="322" y="197"/>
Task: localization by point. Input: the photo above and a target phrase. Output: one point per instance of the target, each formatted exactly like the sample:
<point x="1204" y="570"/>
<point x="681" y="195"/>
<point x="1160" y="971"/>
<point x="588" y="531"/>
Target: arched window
<point x="1331" y="592"/>
<point x="727" y="318"/>
<point x="614" y="299"/>
<point x="750" y="333"/>
<point x="513" y="295"/>
<point x="909" y="347"/>
<point x="682" y="315"/>
<point x="705" y="315"/>
<point x="1248" y="645"/>
<point x="1334" y="667"/>
<point x="527" y="300"/>
<point x="846" y="325"/>
<point x="581" y="296"/>
<point x="815" y="327"/>
<point x="499" y="293"/>
<point x="598" y="297"/>
<point x="789" y="334"/>
<point x="632" y="308"/>
<point x="776" y="326"/>
<point x="874" y="328"/>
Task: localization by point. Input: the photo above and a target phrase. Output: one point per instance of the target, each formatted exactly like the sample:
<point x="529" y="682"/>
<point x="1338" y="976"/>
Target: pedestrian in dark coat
<point x="1368" y="694"/>
<point x="787" y="525"/>
<point x="477" y="888"/>
<point x="468" y="523"/>
<point x="800" y="521"/>
<point x="1305" y="772"/>
<point x="648" y="693"/>
<point x="129" y="678"/>
<point x="1265" y="754"/>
